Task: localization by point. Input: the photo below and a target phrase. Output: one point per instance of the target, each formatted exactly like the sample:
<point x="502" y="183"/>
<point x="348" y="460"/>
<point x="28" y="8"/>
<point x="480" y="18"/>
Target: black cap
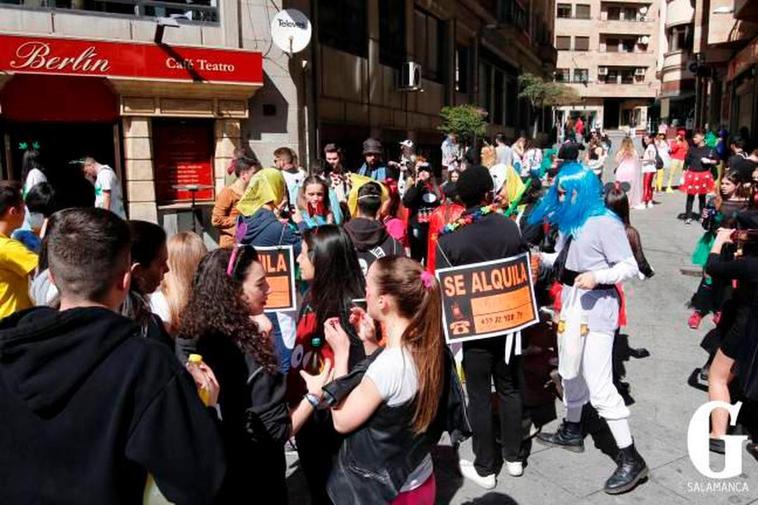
<point x="473" y="185"/>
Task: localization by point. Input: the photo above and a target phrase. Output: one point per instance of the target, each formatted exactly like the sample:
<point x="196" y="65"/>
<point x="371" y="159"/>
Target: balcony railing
<point x="201" y="11"/>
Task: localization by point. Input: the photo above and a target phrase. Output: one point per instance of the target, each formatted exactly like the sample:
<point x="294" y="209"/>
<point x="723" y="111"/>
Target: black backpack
<point x="658" y="159"/>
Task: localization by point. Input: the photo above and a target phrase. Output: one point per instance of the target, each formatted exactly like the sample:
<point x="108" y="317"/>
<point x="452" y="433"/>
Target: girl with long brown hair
<point x="401" y="390"/>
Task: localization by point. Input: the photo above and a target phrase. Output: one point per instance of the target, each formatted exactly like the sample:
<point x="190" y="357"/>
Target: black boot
<point x="568" y="436"/>
<point x="630" y="471"/>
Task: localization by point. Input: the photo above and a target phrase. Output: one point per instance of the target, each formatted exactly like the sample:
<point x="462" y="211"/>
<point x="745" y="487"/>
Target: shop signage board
<point x="279" y="264"/>
<point x="488" y="299"/>
<point x="132" y="60"/>
<point x="183" y="158"/>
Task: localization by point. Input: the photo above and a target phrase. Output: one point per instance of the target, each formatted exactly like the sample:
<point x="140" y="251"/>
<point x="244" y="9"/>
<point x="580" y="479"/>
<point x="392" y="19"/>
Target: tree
<point x="466" y="121"/>
<point x="542" y="93"/>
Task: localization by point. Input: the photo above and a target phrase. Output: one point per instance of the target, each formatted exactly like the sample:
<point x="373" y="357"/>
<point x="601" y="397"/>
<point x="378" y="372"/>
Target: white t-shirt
<point x="648" y="160"/>
<point x="395" y="376"/>
<point x="34" y="177"/>
<point x="107" y="180"/>
<point x="159" y="306"/>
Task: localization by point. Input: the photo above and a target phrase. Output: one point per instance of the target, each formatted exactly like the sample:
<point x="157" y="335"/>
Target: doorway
<point x="611" y="113"/>
<point x="61" y="147"/>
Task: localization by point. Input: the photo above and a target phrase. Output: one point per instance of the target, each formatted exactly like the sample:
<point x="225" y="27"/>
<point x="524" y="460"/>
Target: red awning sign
<point x="43" y="55"/>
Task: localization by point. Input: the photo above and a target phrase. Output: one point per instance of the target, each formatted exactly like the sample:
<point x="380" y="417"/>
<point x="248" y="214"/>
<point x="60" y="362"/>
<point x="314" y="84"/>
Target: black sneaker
<point x="568" y="436"/>
<point x="630" y="470"/>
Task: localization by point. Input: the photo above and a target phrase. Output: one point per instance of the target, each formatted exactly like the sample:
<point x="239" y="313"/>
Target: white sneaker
<point x="639" y="206"/>
<point x="468" y="471"/>
<point x="649" y="205"/>
<point x="515" y="468"/>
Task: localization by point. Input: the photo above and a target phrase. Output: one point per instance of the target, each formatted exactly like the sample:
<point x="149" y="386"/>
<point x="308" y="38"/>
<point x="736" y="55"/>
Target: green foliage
<point x="541" y="93"/>
<point x="463" y="120"/>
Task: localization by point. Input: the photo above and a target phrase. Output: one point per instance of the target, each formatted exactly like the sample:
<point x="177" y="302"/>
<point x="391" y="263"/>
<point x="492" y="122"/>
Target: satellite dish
<point x="291" y="30"/>
<point x="643" y="10"/>
<point x="645" y="40"/>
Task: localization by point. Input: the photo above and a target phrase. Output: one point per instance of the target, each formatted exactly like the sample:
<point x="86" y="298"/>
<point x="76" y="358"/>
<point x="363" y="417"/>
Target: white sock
<point x="574" y="415"/>
<point x="621" y="433"/>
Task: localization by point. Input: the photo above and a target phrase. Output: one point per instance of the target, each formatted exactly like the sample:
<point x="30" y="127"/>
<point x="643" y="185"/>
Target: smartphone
<point x="359" y="302"/>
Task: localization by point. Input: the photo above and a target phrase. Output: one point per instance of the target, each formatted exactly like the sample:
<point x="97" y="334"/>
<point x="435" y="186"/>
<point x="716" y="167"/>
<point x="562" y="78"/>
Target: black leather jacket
<point x="375" y="461"/>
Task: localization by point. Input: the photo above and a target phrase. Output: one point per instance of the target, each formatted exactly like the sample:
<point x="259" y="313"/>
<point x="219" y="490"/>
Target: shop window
<point x="564" y="10"/>
<point x="462" y="69"/>
<point x="342" y="25"/>
<point x="581" y="43"/>
<point x="561" y="75"/>
<point x="392" y="32"/>
<point x="581" y="74"/>
<point x="582" y="11"/>
<point x="200" y="11"/>
<point x="429" y="35"/>
<point x="563" y="43"/>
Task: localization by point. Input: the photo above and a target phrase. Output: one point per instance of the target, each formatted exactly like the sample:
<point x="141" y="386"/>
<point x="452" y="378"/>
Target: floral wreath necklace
<point x="471" y="217"/>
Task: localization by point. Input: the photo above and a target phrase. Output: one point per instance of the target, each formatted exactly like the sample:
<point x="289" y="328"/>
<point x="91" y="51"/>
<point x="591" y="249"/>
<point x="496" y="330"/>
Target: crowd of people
<point x="137" y="366"/>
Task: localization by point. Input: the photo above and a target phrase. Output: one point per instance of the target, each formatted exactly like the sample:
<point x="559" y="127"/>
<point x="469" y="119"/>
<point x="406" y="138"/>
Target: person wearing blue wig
<point x="592" y="255"/>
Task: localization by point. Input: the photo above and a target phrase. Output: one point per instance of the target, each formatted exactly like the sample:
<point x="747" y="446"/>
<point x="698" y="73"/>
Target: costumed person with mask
<point x="592" y="256"/>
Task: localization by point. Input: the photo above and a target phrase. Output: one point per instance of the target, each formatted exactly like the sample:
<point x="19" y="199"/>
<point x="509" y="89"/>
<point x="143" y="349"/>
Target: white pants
<point x="594" y="383"/>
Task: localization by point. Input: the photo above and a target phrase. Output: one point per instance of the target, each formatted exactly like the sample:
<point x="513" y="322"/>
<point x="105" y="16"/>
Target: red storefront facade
<point x="163" y="116"/>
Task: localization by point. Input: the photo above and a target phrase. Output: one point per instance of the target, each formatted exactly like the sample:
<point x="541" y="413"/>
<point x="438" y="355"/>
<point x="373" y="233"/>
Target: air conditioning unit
<point x="640" y="71"/>
<point x="410" y="76"/>
<point x="602" y="70"/>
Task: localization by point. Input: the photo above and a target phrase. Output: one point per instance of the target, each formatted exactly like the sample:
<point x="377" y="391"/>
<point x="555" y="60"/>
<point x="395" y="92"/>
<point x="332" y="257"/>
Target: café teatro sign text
<point x="19" y="54"/>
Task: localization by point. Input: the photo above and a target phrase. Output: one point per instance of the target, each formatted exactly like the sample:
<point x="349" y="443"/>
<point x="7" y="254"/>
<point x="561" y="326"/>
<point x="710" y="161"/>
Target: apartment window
<point x="564" y="10"/>
<point x="429" y="33"/>
<point x="680" y="39"/>
<point x="581" y="43"/>
<point x="563" y="43"/>
<point x="199" y="12"/>
<point x="614" y="13"/>
<point x="612" y="76"/>
<point x="561" y="74"/>
<point x="630" y="14"/>
<point x="627" y="76"/>
<point x="511" y="11"/>
<point x="342" y="25"/>
<point x="582" y="11"/>
<point x="391" y="32"/>
<point x="485" y="87"/>
<point x="462" y="69"/>
<point x="581" y="75"/>
<point x="611" y="45"/>
<point x="628" y="45"/>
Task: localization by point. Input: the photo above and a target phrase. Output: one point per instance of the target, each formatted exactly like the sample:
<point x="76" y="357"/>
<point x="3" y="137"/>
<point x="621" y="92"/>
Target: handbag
<point x="572" y="329"/>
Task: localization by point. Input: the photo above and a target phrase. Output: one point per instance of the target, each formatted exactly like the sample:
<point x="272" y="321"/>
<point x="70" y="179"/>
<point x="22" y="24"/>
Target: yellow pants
<point x="675" y="171"/>
<point x="659" y="180"/>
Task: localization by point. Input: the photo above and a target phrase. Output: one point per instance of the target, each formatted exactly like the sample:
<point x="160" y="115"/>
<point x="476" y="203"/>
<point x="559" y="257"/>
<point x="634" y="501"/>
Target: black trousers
<point x="691" y="201"/>
<point x="483" y="363"/>
<point x="317" y="445"/>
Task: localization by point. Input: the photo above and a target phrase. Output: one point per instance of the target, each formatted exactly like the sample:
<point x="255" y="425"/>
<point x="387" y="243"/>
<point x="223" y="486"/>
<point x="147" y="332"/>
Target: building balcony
<point x="547" y="53"/>
<point x="627" y="27"/>
<point x="676" y="60"/>
<point x="600" y="89"/>
<point x="646" y="59"/>
<point x="679" y="12"/>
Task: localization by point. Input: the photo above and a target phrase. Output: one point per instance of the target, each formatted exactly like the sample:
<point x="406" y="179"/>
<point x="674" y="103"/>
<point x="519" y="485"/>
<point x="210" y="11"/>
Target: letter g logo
<point x="697" y="441"/>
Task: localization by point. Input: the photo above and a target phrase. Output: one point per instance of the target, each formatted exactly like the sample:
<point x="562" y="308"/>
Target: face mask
<point x="36" y="220"/>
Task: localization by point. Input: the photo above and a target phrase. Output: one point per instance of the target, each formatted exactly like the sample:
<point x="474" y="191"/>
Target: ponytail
<point x="418" y="298"/>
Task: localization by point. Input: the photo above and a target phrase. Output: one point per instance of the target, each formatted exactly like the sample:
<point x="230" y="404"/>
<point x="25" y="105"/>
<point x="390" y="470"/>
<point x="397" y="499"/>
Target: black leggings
<point x="691" y="201"/>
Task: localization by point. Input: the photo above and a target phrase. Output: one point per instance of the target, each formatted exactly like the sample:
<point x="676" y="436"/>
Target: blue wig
<point x="583" y="199"/>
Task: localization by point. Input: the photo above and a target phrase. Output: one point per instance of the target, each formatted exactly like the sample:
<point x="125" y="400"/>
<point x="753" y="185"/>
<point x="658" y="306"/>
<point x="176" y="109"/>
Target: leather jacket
<point x="375" y="461"/>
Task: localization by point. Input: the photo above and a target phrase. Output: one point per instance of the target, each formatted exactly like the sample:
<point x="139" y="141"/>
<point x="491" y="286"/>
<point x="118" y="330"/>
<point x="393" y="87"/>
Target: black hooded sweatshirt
<point x="88" y="409"/>
<point x="371" y="241"/>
